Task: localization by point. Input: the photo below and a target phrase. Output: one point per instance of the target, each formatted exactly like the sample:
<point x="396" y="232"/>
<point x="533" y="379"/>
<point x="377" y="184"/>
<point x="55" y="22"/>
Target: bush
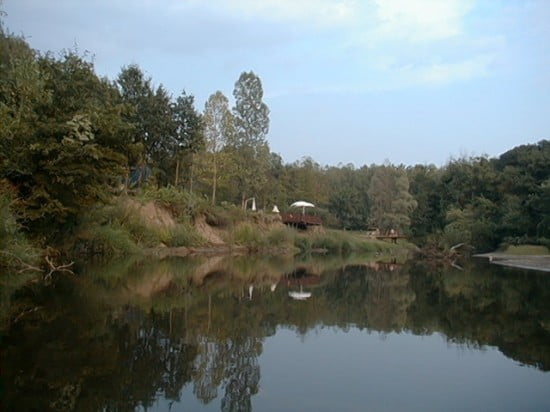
<point x="225" y="215"/>
<point x="105" y="240"/>
<point x="14" y="245"/>
<point x="246" y="234"/>
<point x="280" y="236"/>
<point x="303" y="243"/>
<point x="180" y="203"/>
<point x="184" y="235"/>
<point x="328" y="241"/>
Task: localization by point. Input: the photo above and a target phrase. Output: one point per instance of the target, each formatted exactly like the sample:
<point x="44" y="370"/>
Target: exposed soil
<point x="152" y="214"/>
<point x="212" y="235"/>
<point x="532" y="262"/>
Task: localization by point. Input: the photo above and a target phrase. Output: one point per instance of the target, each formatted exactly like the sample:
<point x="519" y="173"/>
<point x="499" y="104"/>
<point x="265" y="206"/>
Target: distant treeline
<point x="70" y="139"/>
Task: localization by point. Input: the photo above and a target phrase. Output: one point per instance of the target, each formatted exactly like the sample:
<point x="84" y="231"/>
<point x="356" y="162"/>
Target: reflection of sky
<point x="330" y="370"/>
<point x="357" y="371"/>
<point x="405" y="80"/>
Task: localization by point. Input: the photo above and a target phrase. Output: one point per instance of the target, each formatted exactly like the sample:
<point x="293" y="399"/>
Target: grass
<point x="181" y="203"/>
<point x="119" y="229"/>
<point x="526" y="250"/>
<point x="184" y="235"/>
<point x="344" y="242"/>
<point x="247" y="234"/>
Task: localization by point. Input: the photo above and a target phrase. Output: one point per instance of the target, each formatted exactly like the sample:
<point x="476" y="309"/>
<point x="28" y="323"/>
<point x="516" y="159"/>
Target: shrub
<point x="303" y="243"/>
<point x="14" y="246"/>
<point x="105" y="240"/>
<point x="246" y="234"/>
<point x="184" y="235"/>
<point x="328" y="241"/>
<point x="280" y="236"/>
<point x="179" y="202"/>
<point x="225" y="215"/>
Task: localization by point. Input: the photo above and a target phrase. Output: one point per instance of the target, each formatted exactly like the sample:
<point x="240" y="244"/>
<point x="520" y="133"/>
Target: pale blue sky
<point x="347" y="81"/>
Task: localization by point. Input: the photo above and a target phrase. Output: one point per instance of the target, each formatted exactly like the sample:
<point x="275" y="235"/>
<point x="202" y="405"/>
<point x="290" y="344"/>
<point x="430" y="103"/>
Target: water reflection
<point x="123" y="336"/>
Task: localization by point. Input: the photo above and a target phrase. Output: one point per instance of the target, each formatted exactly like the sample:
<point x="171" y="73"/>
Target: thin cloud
<point x="444" y="73"/>
<point x="420" y="20"/>
<point x="306" y="12"/>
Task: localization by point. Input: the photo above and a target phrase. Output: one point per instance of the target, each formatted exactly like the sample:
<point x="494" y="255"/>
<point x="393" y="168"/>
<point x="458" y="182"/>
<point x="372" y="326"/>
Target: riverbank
<point x="163" y="223"/>
<point x="328" y="241"/>
<point x="530" y="262"/>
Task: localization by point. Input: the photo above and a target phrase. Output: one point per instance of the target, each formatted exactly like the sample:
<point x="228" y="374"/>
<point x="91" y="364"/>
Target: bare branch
<point x="25" y="266"/>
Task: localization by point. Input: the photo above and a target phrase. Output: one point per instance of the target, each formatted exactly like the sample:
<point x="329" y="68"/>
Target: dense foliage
<point x="71" y="140"/>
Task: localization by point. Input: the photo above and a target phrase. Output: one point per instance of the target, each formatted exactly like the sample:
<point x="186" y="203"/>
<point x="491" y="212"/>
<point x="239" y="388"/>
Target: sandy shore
<point x="532" y="262"/>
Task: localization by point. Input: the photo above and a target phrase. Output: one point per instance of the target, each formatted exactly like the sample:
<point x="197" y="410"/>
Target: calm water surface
<point x="311" y="334"/>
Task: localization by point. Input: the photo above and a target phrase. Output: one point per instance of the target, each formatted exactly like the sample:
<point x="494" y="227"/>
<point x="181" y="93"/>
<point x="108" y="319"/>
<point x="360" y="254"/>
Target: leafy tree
<point x="218" y="130"/>
<point x="425" y="187"/>
<point x="152" y="118"/>
<point x="392" y="204"/>
<point x="249" y="147"/>
<point x="524" y="172"/>
<point x="306" y="181"/>
<point x="189" y="133"/>
<point x="348" y="200"/>
<point x="60" y="137"/>
<point x="273" y="192"/>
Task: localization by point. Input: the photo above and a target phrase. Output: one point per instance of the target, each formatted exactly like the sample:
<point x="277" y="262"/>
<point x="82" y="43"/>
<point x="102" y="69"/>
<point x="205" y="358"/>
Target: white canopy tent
<point x="303" y="204"/>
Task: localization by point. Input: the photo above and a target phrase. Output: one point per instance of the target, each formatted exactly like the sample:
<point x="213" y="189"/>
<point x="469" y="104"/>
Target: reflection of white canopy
<point x="299" y="295"/>
<point x="301" y="203"/>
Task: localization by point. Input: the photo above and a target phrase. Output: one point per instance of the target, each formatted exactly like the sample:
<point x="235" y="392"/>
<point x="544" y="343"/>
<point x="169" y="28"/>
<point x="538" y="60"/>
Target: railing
<point x="301" y="219"/>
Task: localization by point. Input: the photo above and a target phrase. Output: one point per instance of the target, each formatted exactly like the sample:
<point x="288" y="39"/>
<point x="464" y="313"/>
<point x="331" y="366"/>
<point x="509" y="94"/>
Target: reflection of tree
<point x="229" y="363"/>
<point x="149" y="362"/>
<point x="389" y="299"/>
<point x="79" y="351"/>
<point x="486" y="306"/>
<point x="209" y="367"/>
<point x="242" y="375"/>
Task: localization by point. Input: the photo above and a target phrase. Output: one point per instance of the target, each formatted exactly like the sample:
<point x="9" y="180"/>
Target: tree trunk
<point x="214" y="183"/>
<point x="191" y="175"/>
<point x="177" y="172"/>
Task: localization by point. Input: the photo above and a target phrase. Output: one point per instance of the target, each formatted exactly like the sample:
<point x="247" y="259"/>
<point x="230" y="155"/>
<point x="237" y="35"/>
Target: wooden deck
<point x="300" y="220"/>
<point x="393" y="238"/>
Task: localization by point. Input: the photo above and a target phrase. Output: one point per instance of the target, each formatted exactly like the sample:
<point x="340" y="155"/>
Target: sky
<point x="346" y="81"/>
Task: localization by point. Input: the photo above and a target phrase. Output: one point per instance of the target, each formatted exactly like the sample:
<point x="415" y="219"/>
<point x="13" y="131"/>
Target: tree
<point x="152" y="118"/>
<point x="189" y="132"/>
<point x="250" y="149"/>
<point x="61" y="137"/>
<point x="218" y="130"/>
<point x="348" y="196"/>
<point x="392" y="204"/>
<point x="425" y="187"/>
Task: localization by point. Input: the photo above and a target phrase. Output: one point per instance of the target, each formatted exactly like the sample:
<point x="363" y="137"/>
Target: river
<point x="281" y="334"/>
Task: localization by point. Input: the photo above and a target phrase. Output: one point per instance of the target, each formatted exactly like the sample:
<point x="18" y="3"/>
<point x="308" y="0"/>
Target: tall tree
<point x="154" y="125"/>
<point x="189" y="133"/>
<point x="425" y="186"/>
<point x="218" y="130"/>
<point x="250" y="147"/>
<point x="348" y="196"/>
<point x="392" y="204"/>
